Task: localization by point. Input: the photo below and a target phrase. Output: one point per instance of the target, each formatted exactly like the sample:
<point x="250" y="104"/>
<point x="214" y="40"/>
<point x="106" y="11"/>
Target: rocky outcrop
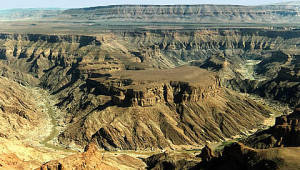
<point x="286" y="82"/>
<point x="162" y="108"/>
<point x="206" y="154"/>
<point x="93" y="158"/>
<point x="237" y="156"/>
<point x="18" y="111"/>
<point x="285" y="132"/>
<point x="171" y="160"/>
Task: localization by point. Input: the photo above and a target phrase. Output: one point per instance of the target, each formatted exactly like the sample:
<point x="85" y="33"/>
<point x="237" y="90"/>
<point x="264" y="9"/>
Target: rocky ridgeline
<point x="154" y="92"/>
<point x="190" y="13"/>
<point x="161" y="13"/>
<point x="287" y="130"/>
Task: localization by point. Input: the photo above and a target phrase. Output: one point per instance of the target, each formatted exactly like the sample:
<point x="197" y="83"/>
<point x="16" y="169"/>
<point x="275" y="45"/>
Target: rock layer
<point x="158" y="109"/>
<point x="188" y="13"/>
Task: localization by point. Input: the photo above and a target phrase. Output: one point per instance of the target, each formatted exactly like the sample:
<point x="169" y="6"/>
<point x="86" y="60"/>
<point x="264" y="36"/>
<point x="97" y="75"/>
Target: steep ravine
<point x="55" y="116"/>
<point x="25" y="124"/>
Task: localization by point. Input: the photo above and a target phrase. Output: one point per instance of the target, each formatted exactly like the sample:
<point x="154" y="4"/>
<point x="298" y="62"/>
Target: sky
<point x="7" y="4"/>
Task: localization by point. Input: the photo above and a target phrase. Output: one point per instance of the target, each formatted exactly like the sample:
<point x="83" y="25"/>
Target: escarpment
<point x="187" y="13"/>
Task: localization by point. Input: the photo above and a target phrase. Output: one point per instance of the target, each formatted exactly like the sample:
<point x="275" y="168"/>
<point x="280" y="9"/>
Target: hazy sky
<point x="87" y="3"/>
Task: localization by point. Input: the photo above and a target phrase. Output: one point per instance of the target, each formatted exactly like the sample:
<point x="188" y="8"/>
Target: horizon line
<point x="60" y="8"/>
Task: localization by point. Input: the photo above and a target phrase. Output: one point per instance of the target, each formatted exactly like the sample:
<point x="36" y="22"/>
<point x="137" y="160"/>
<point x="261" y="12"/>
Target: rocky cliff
<point x="285" y="86"/>
<point x="285" y="132"/>
<point x="167" y="108"/>
<point x="18" y="111"/>
<point x="159" y="13"/>
<point x="188" y="13"/>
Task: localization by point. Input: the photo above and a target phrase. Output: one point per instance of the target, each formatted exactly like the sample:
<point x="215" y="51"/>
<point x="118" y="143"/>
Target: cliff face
<point x="238" y="156"/>
<point x="140" y="50"/>
<point x="46" y="56"/>
<point x="285" y="86"/>
<point x="190" y="13"/>
<point x="161" y="13"/>
<point x="167" y="108"/>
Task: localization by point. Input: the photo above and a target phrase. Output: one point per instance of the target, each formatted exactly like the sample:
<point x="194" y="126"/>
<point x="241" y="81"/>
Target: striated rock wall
<point x="39" y="54"/>
<point x="155" y="112"/>
<point x="175" y="92"/>
<point x="190" y="13"/>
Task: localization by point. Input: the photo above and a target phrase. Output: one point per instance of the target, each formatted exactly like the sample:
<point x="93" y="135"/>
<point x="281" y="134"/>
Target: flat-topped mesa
<point x="147" y="88"/>
<point x="164" y="108"/>
<point x="191" y="13"/>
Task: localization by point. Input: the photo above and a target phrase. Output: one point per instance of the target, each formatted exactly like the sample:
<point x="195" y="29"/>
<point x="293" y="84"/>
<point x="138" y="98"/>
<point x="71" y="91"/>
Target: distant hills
<point x="288" y="3"/>
<point x="280" y="13"/>
<point x="29" y="13"/>
<point x="189" y="13"/>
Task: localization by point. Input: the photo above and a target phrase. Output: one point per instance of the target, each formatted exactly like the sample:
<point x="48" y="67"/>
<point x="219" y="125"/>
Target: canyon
<point x="150" y="98"/>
